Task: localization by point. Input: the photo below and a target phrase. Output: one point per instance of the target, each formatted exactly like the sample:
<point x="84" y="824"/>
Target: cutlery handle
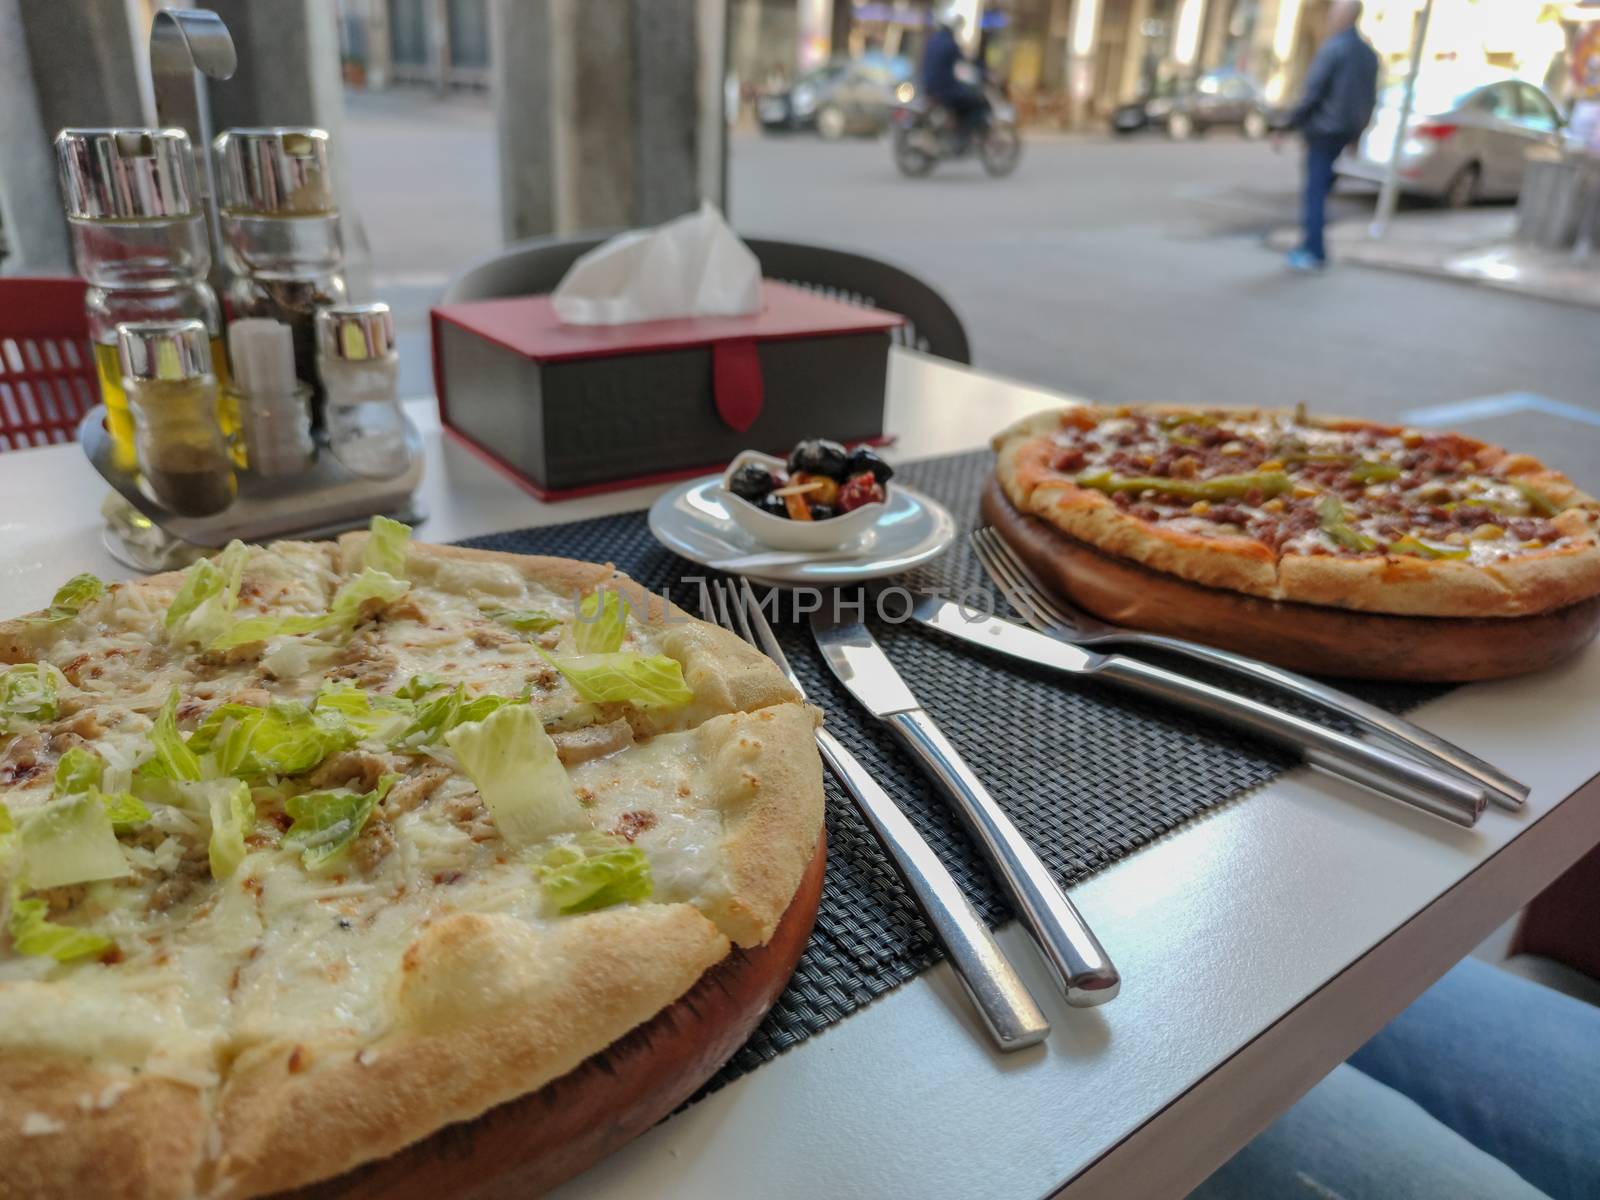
<point x="1391" y="774"/>
<point x="1503" y="790"/>
<point x="1002" y="999"/>
<point x="1070" y="948"/>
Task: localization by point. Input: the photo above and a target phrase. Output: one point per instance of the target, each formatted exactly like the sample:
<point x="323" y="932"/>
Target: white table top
<point x="1259" y="945"/>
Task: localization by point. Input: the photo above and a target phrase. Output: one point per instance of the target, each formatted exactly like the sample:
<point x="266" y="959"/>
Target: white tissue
<point x="694" y="266"/>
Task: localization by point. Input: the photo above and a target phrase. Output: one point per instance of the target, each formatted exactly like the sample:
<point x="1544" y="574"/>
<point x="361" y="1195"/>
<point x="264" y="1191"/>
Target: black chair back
<point x="536" y="266"/>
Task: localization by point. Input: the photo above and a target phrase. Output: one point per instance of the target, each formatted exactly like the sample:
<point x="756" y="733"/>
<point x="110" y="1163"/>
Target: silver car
<point x="1461" y="144"/>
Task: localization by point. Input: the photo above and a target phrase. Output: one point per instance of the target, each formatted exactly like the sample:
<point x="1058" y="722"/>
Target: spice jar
<point x="139" y="237"/>
<point x="360" y="373"/>
<point x="172" y="394"/>
<point x="280" y="234"/>
<point x="274" y="406"/>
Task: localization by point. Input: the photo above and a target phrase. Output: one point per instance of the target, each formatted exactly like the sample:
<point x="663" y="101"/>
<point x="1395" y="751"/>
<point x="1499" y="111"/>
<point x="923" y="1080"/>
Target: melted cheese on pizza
<point x="197" y="966"/>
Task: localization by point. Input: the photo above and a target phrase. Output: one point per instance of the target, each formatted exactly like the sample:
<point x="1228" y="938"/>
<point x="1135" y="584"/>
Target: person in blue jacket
<point x="942" y="85"/>
<point x="1340" y="92"/>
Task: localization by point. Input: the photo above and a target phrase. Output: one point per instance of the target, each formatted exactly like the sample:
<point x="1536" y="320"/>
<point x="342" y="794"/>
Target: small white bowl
<point x="781" y="533"/>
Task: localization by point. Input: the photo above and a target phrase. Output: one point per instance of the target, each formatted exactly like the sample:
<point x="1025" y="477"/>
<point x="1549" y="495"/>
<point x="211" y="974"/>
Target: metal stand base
<point x="320" y="502"/>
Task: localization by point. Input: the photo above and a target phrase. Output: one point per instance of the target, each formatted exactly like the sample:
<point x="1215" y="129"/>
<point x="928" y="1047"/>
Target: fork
<point x="1009" y="1013"/>
<point x="1051" y="615"/>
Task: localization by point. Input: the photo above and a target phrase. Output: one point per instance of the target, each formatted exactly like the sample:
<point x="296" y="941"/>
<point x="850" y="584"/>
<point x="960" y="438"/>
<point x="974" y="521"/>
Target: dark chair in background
<point x="532" y="267"/>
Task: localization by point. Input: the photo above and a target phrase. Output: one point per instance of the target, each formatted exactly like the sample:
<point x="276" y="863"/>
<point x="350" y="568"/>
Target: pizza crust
<point x="486" y="1009"/>
<point x="69" y="1129"/>
<point x="1535" y="581"/>
<point x="1240" y="564"/>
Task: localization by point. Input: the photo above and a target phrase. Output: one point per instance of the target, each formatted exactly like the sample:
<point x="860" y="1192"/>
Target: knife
<point x="1080" y="965"/>
<point x="1371" y="766"/>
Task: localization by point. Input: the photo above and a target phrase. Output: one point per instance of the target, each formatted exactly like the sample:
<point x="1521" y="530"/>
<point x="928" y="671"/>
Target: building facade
<point x="1065" y="62"/>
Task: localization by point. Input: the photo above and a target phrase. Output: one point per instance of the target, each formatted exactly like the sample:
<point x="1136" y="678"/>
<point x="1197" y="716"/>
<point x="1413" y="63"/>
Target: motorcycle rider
<point x="941" y="83"/>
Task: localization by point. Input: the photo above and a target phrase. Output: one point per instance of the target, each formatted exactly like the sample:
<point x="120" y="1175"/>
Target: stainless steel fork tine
<point x="1037" y="591"/>
<point x="1005" y="580"/>
<point x="707" y="613"/>
<point x="737" y="600"/>
<point x="725" y="619"/>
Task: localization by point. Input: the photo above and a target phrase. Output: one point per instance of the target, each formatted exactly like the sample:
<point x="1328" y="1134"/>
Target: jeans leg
<point x="1319" y="181"/>
<point x="1511" y="1066"/>
<point x="1351" y="1138"/>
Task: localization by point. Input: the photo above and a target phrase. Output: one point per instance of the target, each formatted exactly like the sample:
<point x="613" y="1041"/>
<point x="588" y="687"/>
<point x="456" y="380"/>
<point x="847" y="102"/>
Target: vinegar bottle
<point x="139" y="237"/>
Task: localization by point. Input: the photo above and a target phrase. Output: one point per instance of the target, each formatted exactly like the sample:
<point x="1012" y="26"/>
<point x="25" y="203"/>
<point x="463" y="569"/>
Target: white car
<point x="1461" y="144"/>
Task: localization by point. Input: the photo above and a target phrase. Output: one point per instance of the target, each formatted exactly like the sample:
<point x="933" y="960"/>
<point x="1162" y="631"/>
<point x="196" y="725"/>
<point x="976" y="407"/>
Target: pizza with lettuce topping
<point x="1350" y="514"/>
<point x="312" y="849"/>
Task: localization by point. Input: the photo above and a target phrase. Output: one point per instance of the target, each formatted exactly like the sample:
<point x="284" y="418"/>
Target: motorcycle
<point x="926" y="133"/>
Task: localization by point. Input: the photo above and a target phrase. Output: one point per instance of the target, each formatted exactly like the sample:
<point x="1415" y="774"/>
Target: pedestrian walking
<point x="1340" y="92"/>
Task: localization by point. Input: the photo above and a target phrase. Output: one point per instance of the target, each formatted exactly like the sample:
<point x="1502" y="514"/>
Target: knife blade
<point x="1075" y="956"/>
<point x="1365" y="764"/>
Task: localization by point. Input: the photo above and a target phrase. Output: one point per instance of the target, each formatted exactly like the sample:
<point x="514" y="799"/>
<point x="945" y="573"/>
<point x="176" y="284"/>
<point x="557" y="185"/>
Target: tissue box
<point x="572" y="409"/>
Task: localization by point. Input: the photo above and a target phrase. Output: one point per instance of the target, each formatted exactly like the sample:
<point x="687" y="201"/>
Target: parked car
<point x="846" y="96"/>
<point x="1184" y="108"/>
<point x="1463" y="142"/>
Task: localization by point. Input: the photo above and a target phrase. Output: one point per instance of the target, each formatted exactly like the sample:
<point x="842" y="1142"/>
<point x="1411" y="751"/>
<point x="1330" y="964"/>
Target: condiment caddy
<point x="326" y="499"/>
<point x="305" y="436"/>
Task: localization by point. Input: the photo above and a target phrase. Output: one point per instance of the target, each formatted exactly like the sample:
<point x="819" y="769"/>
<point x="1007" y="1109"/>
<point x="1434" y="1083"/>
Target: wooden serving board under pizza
<point x="381" y="868"/>
<point x="1334" y="546"/>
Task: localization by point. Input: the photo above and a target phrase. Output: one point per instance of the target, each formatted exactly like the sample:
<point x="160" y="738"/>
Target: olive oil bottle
<point x="139" y="237"/>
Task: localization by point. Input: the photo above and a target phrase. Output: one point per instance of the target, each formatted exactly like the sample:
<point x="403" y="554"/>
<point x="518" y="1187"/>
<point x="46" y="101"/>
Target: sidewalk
<point x="1473" y="246"/>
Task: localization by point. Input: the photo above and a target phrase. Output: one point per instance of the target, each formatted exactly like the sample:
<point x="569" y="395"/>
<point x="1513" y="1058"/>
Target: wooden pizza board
<point x="529" y="1145"/>
<point x="1304" y="637"/>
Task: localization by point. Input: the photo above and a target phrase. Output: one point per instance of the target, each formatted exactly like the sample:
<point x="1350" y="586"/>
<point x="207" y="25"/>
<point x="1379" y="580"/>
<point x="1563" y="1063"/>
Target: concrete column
<point x="520" y="82"/>
<point x="380" y="51"/>
<point x="1214" y="41"/>
<point x="1080" y="60"/>
<point x="439" y="44"/>
<point x="1133" y="53"/>
<point x="1187" y="25"/>
<point x="62" y="63"/>
<point x="609" y="111"/>
<point x="1282" y="29"/>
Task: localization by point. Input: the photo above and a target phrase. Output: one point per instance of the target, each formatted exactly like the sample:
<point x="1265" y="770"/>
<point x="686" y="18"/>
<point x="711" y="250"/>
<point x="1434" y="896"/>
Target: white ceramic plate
<point x="692" y="520"/>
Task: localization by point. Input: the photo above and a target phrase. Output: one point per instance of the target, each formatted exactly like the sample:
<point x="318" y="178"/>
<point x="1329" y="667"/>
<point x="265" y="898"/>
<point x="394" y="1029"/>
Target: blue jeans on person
<point x="1486" y="1088"/>
<point x="1321" y="153"/>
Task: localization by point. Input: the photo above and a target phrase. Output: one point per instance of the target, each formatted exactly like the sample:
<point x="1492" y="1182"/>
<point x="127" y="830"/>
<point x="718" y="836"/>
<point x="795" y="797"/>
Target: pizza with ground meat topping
<point x="313" y="849"/>
<point x="1344" y="513"/>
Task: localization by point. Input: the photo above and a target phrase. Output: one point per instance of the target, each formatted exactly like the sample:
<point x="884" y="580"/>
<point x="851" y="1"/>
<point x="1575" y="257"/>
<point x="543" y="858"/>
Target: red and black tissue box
<point x="571" y="409"/>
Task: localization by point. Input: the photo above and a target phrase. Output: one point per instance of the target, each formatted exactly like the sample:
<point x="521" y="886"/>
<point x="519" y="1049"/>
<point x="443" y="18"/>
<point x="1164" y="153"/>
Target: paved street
<point x="1126" y="270"/>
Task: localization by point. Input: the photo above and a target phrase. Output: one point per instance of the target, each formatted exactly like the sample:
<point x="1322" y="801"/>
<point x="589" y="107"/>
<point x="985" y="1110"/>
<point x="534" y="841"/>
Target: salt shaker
<point x="360" y="372"/>
<point x="274" y="406"/>
<point x="172" y="394"/>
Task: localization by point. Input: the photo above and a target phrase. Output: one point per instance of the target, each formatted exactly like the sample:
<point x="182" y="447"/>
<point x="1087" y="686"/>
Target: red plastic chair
<point x="47" y="372"/>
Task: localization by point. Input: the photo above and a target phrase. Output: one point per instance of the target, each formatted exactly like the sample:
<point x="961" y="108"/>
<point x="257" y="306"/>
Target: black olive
<point x="751" y="482"/>
<point x="774" y="505"/>
<point x="818" y="456"/>
<point x="863" y="458"/>
<point x="823" y="512"/>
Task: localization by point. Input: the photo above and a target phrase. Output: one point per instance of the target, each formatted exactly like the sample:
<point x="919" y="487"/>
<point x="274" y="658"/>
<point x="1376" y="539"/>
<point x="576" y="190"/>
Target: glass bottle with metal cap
<point x="360" y="372"/>
<point x="280" y="234"/>
<point x="139" y="237"/>
<point x="172" y="393"/>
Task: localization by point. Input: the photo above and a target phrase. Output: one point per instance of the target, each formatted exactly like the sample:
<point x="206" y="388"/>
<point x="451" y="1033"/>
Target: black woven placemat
<point x="1089" y="775"/>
